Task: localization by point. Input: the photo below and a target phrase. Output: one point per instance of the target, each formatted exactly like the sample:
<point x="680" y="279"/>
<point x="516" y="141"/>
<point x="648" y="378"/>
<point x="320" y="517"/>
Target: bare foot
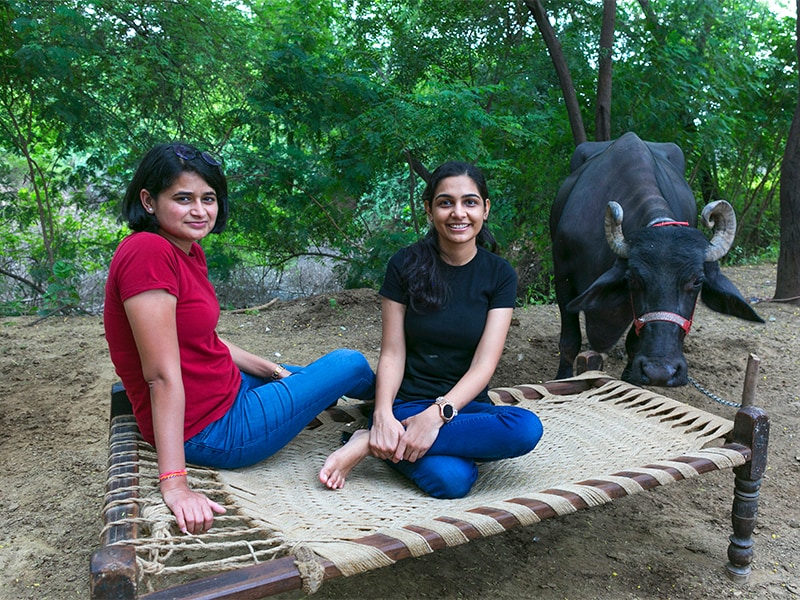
<point x="339" y="464"/>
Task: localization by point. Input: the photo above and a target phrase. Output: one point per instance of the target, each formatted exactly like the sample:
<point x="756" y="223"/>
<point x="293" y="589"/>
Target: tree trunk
<point x="602" y="131"/>
<point x="562" y="70"/>
<point x="788" y="280"/>
<point x="414" y="166"/>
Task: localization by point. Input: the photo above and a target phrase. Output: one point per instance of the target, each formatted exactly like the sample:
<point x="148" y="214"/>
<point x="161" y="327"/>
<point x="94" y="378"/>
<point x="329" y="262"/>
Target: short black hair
<point x="159" y="169"/>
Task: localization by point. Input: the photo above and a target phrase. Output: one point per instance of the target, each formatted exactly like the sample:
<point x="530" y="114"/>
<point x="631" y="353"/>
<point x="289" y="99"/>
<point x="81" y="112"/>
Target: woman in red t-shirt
<point x="197" y="397"/>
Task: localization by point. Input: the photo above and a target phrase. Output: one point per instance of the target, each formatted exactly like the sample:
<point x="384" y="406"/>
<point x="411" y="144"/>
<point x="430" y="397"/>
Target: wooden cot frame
<point x="114" y="567"/>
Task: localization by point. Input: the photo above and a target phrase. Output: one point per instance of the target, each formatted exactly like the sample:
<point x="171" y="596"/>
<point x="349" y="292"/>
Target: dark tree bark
<point x="603" y="111"/>
<point x="415" y="166"/>
<point x="39" y="289"/>
<point x="787" y="285"/>
<point x="562" y="70"/>
<point x="651" y="20"/>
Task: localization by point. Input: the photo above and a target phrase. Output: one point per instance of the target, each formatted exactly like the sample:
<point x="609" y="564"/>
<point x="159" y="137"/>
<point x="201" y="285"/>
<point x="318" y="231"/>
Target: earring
<point x="149" y="209"/>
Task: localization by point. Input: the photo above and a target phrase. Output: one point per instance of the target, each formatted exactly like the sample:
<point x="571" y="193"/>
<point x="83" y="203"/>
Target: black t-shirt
<point x="440" y="344"/>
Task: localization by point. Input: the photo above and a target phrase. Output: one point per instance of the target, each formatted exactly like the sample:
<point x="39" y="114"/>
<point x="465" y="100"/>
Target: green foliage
<point x="61" y="290"/>
<point x="317" y="106"/>
<point x="738" y="256"/>
<point x="538" y="294"/>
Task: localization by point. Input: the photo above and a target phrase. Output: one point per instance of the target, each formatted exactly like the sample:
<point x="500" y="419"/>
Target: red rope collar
<point x="666" y="223"/>
<point x="662" y="315"/>
<point x="659" y="315"/>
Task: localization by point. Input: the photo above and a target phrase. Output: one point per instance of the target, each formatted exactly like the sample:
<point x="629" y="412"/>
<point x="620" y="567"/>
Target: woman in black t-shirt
<point x="447" y="304"/>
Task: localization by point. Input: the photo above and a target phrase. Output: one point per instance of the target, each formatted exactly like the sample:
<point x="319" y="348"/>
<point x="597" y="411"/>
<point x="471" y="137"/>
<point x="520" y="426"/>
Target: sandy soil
<point x="55" y="378"/>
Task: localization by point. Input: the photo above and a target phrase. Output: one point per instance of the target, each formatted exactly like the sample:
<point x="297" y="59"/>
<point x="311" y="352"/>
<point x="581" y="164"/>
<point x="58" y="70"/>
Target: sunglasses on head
<point x="187" y="153"/>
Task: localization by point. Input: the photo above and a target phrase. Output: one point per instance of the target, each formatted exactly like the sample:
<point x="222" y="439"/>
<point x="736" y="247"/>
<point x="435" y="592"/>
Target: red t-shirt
<point x="146" y="261"/>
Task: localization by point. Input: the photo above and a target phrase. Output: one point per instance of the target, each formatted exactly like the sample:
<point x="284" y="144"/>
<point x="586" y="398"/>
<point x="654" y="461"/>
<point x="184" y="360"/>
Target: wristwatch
<point x="446" y="410"/>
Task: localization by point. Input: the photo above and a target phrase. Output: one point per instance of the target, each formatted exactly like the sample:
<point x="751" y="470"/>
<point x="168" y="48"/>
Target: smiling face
<point x="186" y="210"/>
<point x="457" y="212"/>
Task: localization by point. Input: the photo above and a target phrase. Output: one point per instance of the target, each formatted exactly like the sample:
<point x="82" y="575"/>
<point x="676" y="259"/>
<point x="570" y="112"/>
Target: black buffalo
<point x="626" y="248"/>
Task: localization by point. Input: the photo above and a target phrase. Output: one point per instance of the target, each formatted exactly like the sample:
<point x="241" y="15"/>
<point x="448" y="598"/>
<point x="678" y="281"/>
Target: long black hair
<point x="159" y="169"/>
<point x="427" y="287"/>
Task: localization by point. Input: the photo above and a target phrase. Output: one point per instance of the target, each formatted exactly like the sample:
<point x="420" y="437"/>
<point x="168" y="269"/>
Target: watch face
<point x="447" y="411"/>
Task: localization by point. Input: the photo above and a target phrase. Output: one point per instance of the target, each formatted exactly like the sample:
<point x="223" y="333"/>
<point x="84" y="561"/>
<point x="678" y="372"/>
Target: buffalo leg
<point x="569" y="343"/>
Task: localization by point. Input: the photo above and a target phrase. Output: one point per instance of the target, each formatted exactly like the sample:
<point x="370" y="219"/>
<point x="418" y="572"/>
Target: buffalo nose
<point x="663" y="373"/>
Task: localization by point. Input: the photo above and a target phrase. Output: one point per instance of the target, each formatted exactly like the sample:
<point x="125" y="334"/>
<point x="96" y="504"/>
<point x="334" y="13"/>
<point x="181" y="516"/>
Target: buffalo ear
<point x="607" y="292"/>
<point x="721" y="295"/>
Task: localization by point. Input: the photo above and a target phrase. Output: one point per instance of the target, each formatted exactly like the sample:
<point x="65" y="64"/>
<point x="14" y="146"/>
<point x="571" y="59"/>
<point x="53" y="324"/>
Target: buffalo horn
<point x="719" y="215"/>
<point x="614" y="235"/>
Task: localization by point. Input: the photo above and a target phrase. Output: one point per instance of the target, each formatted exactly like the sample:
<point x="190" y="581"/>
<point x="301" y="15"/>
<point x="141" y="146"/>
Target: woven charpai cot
<point x="589" y="436"/>
<point x="597" y="445"/>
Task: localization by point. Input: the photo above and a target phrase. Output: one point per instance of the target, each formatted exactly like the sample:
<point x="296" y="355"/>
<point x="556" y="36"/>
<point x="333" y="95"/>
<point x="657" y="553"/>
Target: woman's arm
<point x="253" y="364"/>
<point x="386" y="430"/>
<point x="151" y="315"/>
<point x="423" y="428"/>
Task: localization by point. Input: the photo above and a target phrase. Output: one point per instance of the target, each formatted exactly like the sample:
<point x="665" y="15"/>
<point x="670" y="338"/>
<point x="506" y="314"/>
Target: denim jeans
<point x="267" y="414"/>
<point x="480" y="432"/>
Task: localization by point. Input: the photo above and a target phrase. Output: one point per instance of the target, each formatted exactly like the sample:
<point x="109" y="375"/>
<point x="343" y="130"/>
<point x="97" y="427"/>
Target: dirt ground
<point x="55" y="378"/>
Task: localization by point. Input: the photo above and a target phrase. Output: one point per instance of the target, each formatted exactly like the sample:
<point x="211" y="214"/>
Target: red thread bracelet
<point x="171" y="474"/>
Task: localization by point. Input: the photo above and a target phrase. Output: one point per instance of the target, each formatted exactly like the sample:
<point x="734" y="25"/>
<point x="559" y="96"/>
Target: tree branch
<point x="27" y="282"/>
<point x="602" y="131"/>
<point x="414" y="166"/>
<point x="417" y="167"/>
<point x="562" y="70"/>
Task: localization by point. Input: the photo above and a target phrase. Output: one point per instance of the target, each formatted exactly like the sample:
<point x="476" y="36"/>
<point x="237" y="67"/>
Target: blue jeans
<point x="267" y="414"/>
<point x="480" y="432"/>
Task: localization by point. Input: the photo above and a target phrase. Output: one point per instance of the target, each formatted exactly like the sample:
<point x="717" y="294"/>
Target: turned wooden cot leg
<point x="113" y="573"/>
<point x="113" y="569"/>
<point x="751" y="428"/>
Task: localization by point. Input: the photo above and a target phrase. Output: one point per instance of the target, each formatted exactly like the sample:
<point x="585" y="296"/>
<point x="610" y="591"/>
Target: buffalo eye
<point x="694" y="284"/>
<point x="633" y="281"/>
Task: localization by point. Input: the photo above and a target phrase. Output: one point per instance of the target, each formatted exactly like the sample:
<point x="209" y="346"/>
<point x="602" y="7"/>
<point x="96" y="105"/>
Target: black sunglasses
<point x="187" y="153"/>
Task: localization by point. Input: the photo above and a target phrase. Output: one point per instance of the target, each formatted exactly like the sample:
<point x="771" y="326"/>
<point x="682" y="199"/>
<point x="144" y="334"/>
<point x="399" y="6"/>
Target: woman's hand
<point x="283" y="374"/>
<point x="193" y="511"/>
<point x="256" y="365"/>
<point x="384" y="437"/>
<point x="421" y="430"/>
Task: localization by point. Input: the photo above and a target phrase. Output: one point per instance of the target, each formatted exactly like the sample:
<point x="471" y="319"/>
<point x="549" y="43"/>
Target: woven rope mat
<point x="588" y="436"/>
